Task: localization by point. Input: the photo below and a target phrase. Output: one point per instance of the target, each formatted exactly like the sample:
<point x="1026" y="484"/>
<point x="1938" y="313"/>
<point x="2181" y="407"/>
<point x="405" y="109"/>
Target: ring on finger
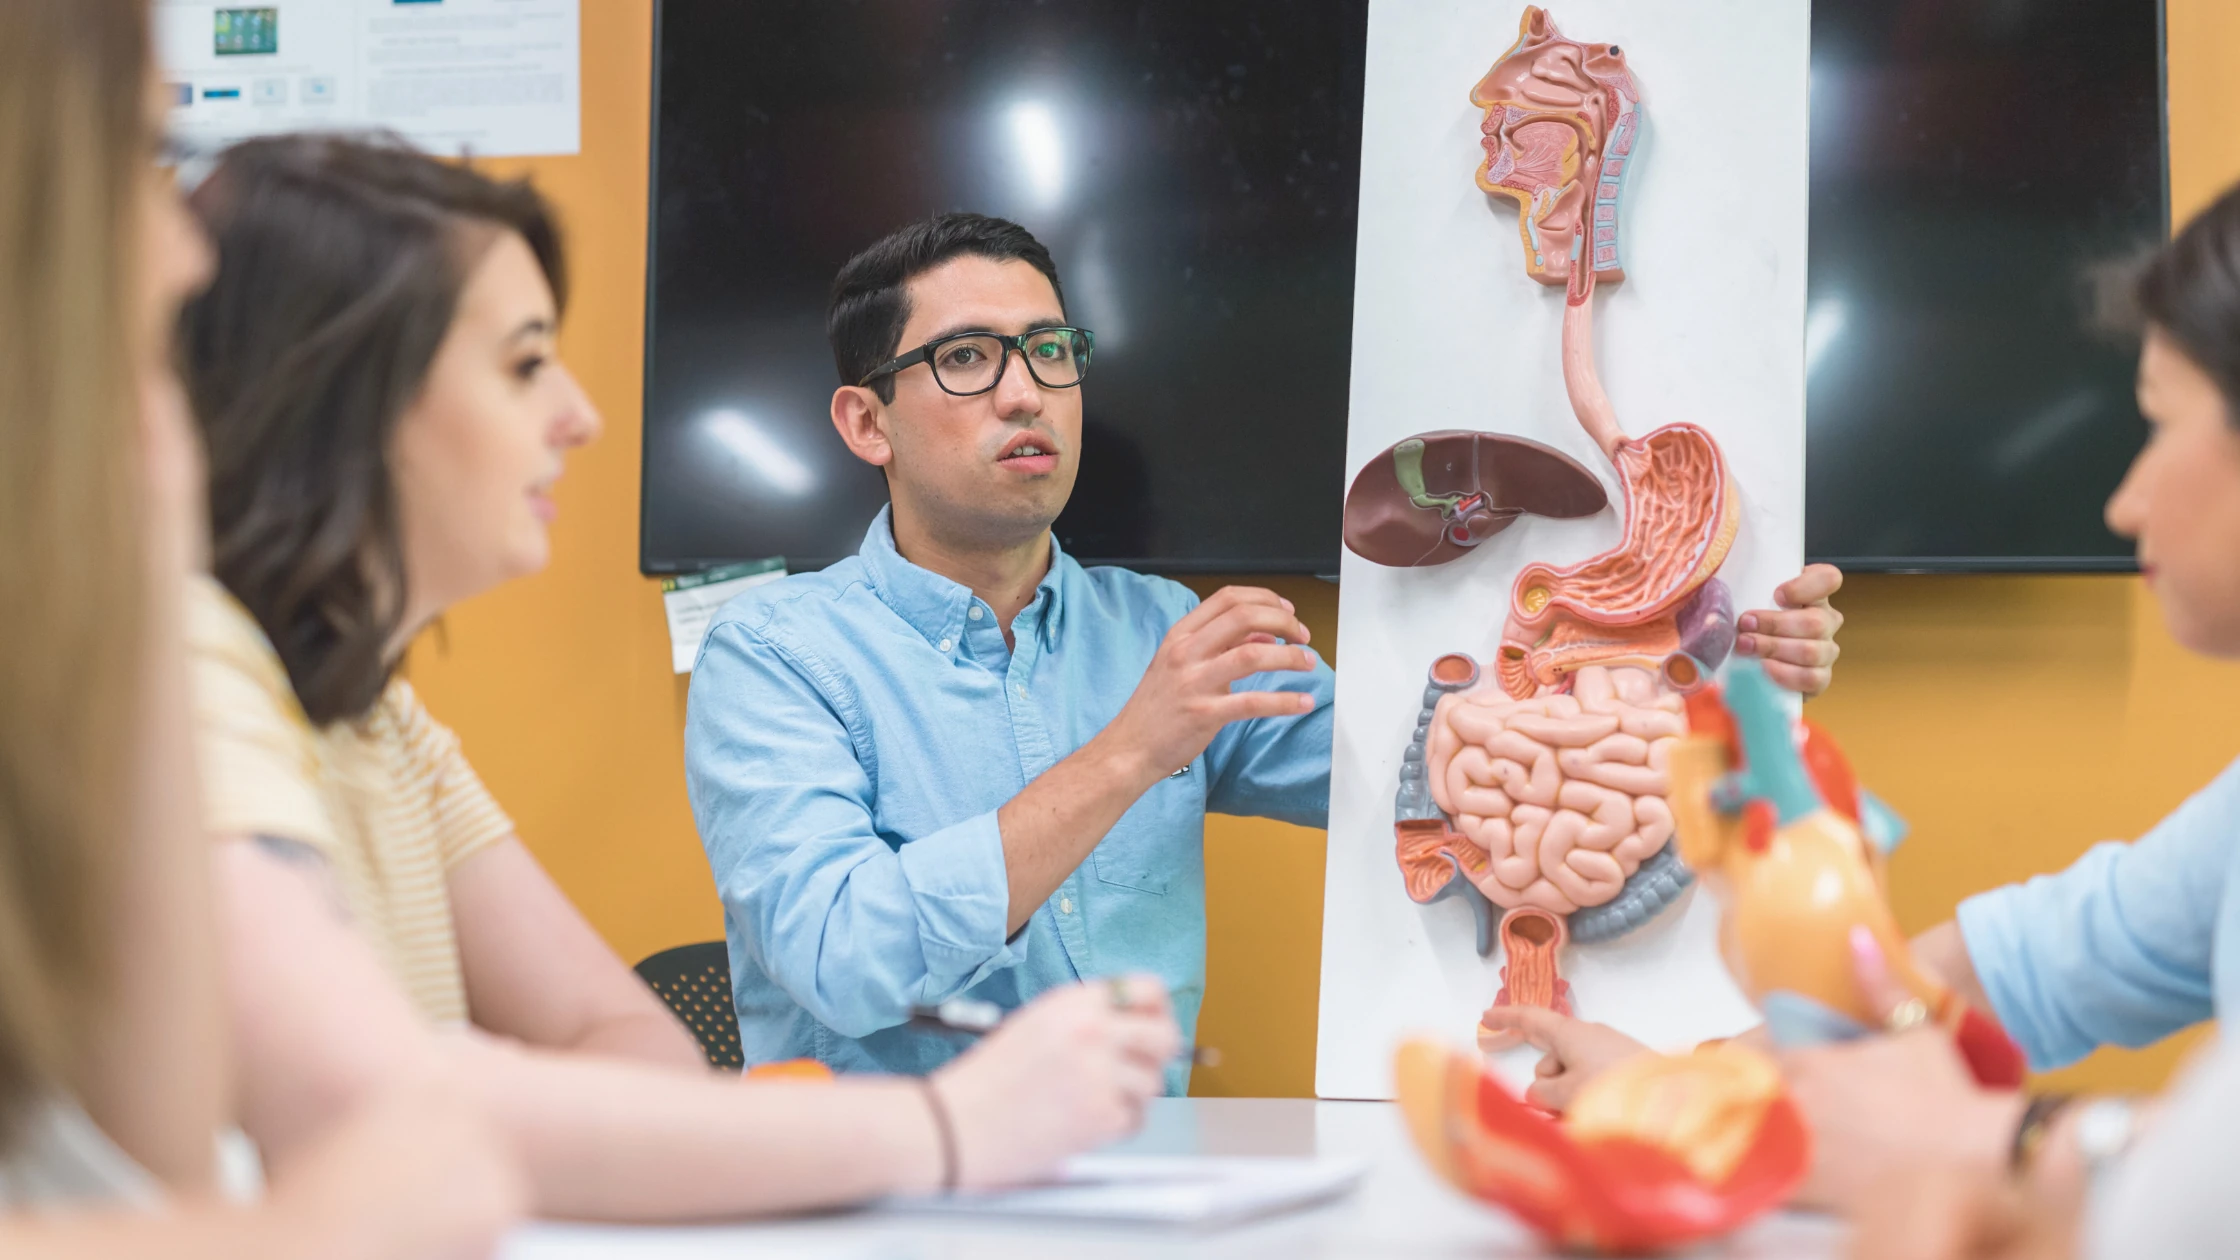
<point x="1907" y="1015"/>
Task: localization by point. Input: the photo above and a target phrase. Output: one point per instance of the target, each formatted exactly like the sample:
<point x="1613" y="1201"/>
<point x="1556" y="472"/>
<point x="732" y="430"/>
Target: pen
<point x="974" y="1018"/>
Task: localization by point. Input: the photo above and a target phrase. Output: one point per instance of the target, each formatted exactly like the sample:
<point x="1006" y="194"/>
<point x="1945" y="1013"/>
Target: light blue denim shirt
<point x="2130" y="944"/>
<point x="849" y="738"/>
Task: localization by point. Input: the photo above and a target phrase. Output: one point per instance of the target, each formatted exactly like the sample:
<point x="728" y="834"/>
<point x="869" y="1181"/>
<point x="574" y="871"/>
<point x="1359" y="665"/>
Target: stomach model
<point x="1544" y="786"/>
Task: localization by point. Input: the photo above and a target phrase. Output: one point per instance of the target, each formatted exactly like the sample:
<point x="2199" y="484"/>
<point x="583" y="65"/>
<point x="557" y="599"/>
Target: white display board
<point x="1450" y="333"/>
<point x="490" y="78"/>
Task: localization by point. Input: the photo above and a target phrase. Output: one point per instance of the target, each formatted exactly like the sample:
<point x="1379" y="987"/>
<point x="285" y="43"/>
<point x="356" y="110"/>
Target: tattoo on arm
<point x="293" y="852"/>
<point x="312" y="863"/>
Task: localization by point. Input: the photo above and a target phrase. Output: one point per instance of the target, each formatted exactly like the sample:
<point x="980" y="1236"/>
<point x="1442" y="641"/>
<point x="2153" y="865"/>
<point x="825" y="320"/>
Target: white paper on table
<point x="691" y="603"/>
<point x="1196" y="1190"/>
<point x="1450" y="333"/>
<point x="490" y="78"/>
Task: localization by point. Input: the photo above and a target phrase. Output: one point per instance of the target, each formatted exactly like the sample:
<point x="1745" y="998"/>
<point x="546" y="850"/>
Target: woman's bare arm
<point x="1943" y="953"/>
<point x="537" y="972"/>
<point x="320" y="1024"/>
<point x="214" y="1234"/>
<point x="414" y="1175"/>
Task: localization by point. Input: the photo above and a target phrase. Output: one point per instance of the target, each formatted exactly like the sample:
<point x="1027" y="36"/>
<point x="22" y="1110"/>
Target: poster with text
<point x="487" y="78"/>
<point x="1652" y="157"/>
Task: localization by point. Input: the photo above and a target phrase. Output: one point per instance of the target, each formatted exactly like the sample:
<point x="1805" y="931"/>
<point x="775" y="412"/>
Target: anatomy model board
<point x="1576" y="449"/>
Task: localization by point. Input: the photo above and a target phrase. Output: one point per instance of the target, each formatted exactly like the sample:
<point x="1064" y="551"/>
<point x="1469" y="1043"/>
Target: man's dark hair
<point x="871" y="296"/>
<point x="340" y="264"/>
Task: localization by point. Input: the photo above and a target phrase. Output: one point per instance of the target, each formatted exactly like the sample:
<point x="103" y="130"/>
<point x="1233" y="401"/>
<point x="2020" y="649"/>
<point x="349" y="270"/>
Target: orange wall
<point x="559" y="686"/>
<point x="2013" y="720"/>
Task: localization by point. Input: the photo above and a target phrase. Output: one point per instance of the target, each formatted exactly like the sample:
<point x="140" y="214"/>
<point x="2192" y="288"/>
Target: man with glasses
<point x="958" y="763"/>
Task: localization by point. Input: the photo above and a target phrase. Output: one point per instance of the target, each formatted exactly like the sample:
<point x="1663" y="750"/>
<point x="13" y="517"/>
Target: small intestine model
<point x="1665" y="1150"/>
<point x="1542" y="782"/>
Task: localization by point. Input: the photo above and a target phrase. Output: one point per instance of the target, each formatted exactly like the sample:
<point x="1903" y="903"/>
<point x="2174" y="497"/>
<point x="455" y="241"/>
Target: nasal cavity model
<point x="1540" y="787"/>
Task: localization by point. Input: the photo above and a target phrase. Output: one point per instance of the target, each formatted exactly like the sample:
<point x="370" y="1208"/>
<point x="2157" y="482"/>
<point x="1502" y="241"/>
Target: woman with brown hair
<point x="114" y="1070"/>
<point x="375" y="369"/>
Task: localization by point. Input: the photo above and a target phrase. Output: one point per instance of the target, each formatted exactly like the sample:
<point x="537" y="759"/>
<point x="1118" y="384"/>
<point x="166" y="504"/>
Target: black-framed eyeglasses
<point x="972" y="363"/>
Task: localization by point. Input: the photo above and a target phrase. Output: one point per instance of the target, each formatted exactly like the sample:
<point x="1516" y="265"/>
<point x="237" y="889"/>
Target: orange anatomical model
<point x="1544" y="784"/>
<point x="1598" y="708"/>
<point x="1561" y="119"/>
<point x="1770" y="814"/>
<point x="1664" y="1150"/>
<point x="1530" y="940"/>
<point x="1656" y="1152"/>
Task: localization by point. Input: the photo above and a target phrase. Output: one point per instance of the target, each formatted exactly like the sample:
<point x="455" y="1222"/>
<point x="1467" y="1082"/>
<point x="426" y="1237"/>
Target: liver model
<point x="1430" y="498"/>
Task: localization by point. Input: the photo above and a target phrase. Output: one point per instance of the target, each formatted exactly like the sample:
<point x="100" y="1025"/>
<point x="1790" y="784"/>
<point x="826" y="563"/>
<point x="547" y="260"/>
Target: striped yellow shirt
<point x="389" y="800"/>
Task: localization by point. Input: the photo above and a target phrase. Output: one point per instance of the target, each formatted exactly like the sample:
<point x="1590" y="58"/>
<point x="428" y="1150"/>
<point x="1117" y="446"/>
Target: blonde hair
<point x="74" y="147"/>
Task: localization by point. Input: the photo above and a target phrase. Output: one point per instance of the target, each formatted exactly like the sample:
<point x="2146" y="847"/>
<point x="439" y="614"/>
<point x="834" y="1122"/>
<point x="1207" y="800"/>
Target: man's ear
<point x="862" y="421"/>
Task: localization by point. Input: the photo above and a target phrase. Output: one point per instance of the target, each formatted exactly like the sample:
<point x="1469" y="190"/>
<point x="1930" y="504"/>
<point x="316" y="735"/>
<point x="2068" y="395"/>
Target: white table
<point x="1399" y="1210"/>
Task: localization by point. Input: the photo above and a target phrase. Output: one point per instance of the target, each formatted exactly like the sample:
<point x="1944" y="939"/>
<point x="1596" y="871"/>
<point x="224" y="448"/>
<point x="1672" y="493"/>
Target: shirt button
<point x="1021" y="688"/>
<point x="1065" y="905"/>
<point x="973" y="612"/>
<point x="945" y="645"/>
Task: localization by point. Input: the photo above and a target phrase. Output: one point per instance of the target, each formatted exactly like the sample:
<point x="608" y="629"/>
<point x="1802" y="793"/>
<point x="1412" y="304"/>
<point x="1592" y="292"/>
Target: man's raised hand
<point x="1185" y="699"/>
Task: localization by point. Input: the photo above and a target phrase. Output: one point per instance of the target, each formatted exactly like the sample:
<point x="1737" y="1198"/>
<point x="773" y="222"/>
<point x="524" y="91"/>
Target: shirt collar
<point x="932" y="604"/>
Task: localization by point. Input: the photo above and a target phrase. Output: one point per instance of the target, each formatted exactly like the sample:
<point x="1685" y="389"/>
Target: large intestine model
<point x="1542" y="783"/>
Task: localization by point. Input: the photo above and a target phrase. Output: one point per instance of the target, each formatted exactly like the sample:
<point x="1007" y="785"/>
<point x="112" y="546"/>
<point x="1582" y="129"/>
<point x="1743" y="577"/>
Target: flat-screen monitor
<point x="1194" y="168"/>
<point x="1974" y="162"/>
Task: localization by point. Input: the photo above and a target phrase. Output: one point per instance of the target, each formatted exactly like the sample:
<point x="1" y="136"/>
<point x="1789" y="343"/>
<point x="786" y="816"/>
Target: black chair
<point x="695" y="980"/>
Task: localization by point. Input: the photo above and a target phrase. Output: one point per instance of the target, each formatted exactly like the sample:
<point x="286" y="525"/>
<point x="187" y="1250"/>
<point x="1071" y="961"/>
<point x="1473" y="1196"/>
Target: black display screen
<point x="1194" y="168"/>
<point x="1973" y="162"/>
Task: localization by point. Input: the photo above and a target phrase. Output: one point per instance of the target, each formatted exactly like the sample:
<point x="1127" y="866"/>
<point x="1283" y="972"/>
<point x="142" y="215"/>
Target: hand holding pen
<point x="971" y="1017"/>
<point x="1064" y="1074"/>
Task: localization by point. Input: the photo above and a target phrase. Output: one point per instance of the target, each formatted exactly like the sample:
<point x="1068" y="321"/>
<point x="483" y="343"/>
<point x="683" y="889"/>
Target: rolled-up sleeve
<point x="1277" y="767"/>
<point x="2117" y="949"/>
<point x="853" y="926"/>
